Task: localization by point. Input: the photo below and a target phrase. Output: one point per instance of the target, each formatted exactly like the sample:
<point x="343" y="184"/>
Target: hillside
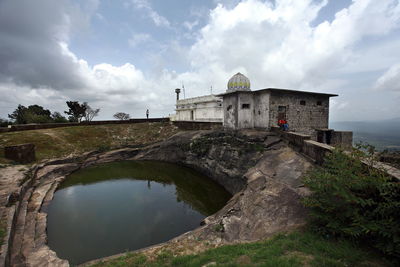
<point x="59" y="142"/>
<point x="383" y="134"/>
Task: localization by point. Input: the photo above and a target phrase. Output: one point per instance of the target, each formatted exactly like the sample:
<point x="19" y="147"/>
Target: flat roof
<point x="278" y="90"/>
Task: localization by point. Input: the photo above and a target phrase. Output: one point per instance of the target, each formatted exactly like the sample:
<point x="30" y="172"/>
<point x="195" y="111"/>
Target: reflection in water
<point x="120" y="206"/>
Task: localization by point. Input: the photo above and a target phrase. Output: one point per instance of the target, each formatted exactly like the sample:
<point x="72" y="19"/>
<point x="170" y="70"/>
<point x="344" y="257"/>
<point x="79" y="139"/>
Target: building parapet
<point x="198" y="99"/>
<point x="317" y="151"/>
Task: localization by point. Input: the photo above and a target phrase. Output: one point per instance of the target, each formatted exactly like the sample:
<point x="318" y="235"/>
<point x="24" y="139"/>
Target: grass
<point x="59" y="142"/>
<point x="294" y="249"/>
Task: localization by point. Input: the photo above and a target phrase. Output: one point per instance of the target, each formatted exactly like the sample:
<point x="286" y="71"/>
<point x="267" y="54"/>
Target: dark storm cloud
<point x="30" y="37"/>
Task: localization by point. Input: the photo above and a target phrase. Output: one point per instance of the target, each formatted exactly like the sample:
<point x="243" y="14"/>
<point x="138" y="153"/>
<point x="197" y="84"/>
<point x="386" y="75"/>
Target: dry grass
<point x="59" y="142"/>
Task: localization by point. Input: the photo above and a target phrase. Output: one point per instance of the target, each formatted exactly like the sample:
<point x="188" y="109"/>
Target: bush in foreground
<point x="353" y="200"/>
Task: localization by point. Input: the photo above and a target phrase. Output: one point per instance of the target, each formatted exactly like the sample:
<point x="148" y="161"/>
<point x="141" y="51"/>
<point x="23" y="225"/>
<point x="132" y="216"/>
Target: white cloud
<point x="138" y="38"/>
<point x="278" y="46"/>
<point x="154" y="16"/>
<point x="274" y="45"/>
<point x="190" y="25"/>
<point x="390" y="80"/>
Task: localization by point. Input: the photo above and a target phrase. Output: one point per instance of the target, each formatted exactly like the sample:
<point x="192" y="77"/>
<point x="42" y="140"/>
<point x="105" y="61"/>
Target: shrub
<point x="351" y="199"/>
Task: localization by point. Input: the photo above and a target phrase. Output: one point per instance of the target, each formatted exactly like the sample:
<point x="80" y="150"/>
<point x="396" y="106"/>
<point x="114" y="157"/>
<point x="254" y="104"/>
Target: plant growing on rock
<point x="351" y="199"/>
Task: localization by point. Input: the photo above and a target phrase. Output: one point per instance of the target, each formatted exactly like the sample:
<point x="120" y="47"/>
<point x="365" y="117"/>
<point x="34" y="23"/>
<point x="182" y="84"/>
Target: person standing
<point x="147" y="113"/>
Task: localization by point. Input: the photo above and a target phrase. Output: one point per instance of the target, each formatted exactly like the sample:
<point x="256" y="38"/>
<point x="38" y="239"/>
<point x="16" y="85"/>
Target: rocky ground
<point x="262" y="173"/>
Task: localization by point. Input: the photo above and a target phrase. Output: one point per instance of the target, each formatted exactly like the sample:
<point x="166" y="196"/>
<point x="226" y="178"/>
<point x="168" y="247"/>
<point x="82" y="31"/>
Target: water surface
<point x="121" y="206"/>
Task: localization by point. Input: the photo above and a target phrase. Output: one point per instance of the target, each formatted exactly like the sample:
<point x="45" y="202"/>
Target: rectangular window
<point x="281" y="108"/>
<point x="303" y="102"/>
<point x="245" y="106"/>
<point x="319" y="103"/>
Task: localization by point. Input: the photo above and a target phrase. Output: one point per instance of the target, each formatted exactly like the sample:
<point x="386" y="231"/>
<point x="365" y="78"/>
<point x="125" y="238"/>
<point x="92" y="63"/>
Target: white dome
<point x="238" y="82"/>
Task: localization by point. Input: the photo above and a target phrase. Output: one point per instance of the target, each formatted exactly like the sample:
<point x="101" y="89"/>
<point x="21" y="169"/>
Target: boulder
<point x="20" y="153"/>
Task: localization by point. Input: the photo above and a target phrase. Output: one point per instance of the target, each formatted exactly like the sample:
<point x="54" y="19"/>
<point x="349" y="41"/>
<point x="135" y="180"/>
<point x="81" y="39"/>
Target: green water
<point x="120" y="206"/>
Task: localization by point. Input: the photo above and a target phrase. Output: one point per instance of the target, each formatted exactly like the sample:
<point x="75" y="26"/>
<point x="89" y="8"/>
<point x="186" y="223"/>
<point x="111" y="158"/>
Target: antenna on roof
<point x="211" y="89"/>
<point x="184" y="93"/>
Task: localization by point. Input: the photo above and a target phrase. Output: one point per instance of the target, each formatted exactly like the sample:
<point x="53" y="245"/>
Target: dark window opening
<point x="229" y="107"/>
<point x="303" y="102"/>
<point x="319" y="103"/>
<point x="245" y="106"/>
<point x="259" y="112"/>
<point x="281" y="108"/>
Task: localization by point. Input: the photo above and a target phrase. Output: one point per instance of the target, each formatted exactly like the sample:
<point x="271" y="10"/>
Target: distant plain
<point x="383" y="134"/>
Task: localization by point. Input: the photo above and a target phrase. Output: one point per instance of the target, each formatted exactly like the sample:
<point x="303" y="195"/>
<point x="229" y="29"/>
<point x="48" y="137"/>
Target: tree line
<point x="37" y="114"/>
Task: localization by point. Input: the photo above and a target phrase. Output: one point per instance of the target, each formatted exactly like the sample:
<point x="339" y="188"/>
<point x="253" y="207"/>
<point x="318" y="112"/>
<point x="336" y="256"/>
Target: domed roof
<point x="238" y="82"/>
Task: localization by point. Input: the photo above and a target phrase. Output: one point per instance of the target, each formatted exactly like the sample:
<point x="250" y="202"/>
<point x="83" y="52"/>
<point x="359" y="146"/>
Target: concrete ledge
<point x="343" y="139"/>
<point x="316" y="150"/>
<point x="296" y="139"/>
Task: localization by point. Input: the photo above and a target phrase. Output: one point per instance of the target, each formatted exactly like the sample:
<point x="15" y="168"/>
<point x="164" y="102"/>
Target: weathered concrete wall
<point x="315" y="150"/>
<point x="342" y="138"/>
<point x="230" y="111"/>
<point x="202" y="108"/>
<point x="261" y="109"/>
<point x="26" y="127"/>
<point x="302" y="143"/>
<point x="301" y="118"/>
<point x="245" y="110"/>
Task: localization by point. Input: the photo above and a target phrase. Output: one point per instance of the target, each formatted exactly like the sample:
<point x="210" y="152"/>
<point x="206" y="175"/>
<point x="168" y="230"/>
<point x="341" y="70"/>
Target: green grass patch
<point x="294" y="249"/>
<point x="59" y="142"/>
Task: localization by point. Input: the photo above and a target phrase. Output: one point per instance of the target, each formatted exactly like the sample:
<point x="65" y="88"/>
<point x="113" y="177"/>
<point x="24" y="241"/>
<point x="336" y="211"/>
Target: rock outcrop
<point x="262" y="173"/>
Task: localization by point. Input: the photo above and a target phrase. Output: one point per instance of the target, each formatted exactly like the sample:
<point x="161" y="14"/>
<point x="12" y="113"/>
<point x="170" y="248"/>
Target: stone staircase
<point x="27" y="245"/>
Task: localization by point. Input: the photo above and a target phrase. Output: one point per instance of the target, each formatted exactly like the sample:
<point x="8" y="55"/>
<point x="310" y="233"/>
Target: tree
<point x="76" y="111"/>
<point x="30" y="114"/>
<point x="18" y="115"/>
<point x="4" y="122"/>
<point x="121" y="116"/>
<point x="90" y="113"/>
<point x="352" y="199"/>
<point x="58" y="118"/>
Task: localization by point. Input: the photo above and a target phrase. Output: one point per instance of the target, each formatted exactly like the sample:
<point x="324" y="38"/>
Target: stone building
<point x="304" y="111"/>
<point x="239" y="107"/>
<point x="203" y="108"/>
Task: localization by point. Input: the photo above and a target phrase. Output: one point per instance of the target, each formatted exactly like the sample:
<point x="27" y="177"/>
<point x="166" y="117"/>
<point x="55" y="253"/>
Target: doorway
<point x="281" y="113"/>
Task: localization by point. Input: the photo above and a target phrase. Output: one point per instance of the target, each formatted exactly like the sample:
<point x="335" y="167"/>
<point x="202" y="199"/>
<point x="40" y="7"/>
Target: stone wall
<point x="203" y="108"/>
<point x="26" y="127"/>
<point x="315" y="150"/>
<point x="301" y="118"/>
<point x="342" y="138"/>
<point x="24" y="153"/>
<point x="302" y="143"/>
<point x="261" y="109"/>
<point x="245" y="109"/>
<point x="230" y="111"/>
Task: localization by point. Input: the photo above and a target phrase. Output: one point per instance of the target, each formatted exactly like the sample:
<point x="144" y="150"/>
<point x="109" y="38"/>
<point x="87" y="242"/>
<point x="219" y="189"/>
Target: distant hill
<point x="383" y="134"/>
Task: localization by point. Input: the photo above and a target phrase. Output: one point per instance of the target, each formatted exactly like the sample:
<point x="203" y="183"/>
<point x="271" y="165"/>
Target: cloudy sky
<point x="130" y="55"/>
